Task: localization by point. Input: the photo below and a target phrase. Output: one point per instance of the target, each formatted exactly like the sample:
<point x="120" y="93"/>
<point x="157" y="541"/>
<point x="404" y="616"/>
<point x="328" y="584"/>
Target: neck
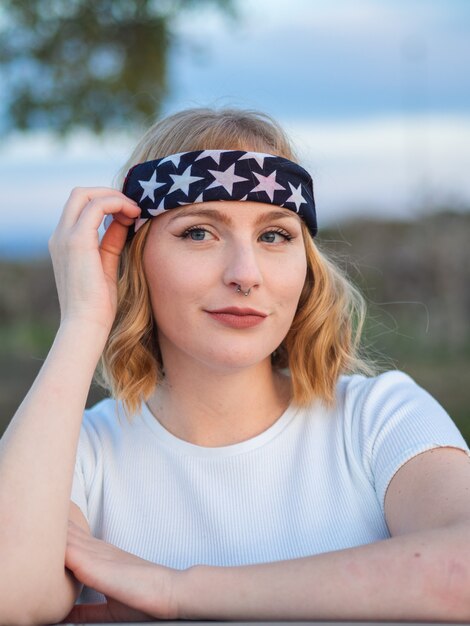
<point x="208" y="408"/>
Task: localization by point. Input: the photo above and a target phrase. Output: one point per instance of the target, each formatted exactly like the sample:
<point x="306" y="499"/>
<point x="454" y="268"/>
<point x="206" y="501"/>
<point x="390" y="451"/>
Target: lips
<point x="236" y="317"/>
<point x="233" y="310"/>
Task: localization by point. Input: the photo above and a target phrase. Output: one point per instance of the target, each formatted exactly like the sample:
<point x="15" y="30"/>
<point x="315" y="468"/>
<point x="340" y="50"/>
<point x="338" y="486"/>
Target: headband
<point x="205" y="175"/>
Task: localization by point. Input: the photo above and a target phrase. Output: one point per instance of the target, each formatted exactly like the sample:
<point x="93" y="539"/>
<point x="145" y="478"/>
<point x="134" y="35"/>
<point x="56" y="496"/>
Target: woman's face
<point x="194" y="259"/>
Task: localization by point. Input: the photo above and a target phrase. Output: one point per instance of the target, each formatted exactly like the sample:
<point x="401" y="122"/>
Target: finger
<point x="94" y="212"/>
<point x="122" y="219"/>
<point x="80" y="197"/>
<point x="111" y="246"/>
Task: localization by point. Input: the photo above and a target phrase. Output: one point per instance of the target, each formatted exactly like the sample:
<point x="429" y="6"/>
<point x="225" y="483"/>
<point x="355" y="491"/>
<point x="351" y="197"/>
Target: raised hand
<point x="86" y="270"/>
<point x="130" y="583"/>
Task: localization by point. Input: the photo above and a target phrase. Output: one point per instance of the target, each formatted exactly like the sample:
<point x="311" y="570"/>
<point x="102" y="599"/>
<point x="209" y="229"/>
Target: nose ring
<point x="246" y="293"/>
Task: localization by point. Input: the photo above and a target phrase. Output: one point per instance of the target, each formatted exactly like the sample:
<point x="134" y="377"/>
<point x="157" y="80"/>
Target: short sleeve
<point x="396" y="419"/>
<point x="85" y="467"/>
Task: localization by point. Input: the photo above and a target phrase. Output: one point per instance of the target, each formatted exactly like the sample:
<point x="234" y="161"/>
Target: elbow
<point x="46" y="602"/>
<point x="16" y="615"/>
<point x="30" y="614"/>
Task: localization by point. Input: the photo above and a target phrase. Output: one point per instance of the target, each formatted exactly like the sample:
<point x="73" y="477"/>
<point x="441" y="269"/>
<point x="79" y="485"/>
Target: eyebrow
<point x="227" y="220"/>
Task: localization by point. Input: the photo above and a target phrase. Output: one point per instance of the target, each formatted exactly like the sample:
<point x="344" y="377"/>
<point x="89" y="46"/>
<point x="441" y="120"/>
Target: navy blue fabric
<point x="204" y="175"/>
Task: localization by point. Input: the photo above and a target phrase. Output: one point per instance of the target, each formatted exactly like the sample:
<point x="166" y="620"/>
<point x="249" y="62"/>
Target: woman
<point x="250" y="465"/>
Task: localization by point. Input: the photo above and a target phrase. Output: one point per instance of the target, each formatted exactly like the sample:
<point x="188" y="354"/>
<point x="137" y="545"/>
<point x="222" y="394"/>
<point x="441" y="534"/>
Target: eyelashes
<point x="280" y="231"/>
<point x="194" y="229"/>
<point x="187" y="234"/>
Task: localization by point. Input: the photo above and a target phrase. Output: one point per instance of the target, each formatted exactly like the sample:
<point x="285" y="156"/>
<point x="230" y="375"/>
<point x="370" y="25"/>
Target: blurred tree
<point x="97" y="64"/>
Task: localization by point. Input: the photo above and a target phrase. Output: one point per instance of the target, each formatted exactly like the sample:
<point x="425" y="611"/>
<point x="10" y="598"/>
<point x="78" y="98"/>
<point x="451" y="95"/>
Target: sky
<point x="374" y="94"/>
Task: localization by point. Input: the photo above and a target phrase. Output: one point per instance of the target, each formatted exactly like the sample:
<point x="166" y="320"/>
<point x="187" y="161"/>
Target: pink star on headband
<point x="267" y="184"/>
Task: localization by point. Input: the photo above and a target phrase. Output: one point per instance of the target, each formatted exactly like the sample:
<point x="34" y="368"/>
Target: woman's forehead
<point x="230" y="211"/>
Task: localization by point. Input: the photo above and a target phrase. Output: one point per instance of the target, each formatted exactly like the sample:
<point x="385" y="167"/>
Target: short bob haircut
<point x="324" y="339"/>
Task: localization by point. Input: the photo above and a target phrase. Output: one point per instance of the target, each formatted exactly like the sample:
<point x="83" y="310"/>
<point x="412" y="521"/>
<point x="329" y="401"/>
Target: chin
<point x="235" y="362"/>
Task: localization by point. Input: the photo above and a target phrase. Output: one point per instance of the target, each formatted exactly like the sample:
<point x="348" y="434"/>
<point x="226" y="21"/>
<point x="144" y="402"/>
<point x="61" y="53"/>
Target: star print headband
<point x="206" y="175"/>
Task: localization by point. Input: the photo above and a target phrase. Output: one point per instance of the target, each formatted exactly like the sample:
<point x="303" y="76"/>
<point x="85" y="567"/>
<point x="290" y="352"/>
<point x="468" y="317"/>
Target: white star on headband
<point x="213" y="154"/>
<point x="174" y="158"/>
<point x="257" y="156"/>
<point x="225" y="179"/>
<point x="182" y="181"/>
<point x="160" y="208"/>
<point x="267" y="184"/>
<point x="296" y="196"/>
<point x="149" y="187"/>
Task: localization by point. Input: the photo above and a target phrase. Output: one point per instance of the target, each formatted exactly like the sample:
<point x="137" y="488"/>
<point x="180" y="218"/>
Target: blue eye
<point x="272" y="234"/>
<point x="194" y="233"/>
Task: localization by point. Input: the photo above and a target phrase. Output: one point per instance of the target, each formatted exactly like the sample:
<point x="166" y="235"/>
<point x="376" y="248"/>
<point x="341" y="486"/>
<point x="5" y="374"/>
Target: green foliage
<point x="27" y="338"/>
<point x="99" y="64"/>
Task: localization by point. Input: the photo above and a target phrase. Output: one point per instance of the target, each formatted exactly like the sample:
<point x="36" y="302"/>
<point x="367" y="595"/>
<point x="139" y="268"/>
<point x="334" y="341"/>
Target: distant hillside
<point x="417" y="271"/>
<point x="415" y="277"/>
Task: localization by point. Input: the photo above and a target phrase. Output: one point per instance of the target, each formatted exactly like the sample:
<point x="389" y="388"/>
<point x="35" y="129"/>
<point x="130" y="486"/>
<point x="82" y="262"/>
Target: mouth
<point x="233" y="310"/>
<point x="236" y="317"/>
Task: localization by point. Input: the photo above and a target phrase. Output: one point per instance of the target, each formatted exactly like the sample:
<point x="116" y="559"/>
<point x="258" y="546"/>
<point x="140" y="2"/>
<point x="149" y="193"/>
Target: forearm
<point x="423" y="576"/>
<point x="37" y="456"/>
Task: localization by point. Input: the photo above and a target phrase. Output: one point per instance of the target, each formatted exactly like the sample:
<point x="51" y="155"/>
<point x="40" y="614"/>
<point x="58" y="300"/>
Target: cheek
<point x="156" y="267"/>
<point x="290" y="278"/>
<point x="173" y="283"/>
<point x="165" y="280"/>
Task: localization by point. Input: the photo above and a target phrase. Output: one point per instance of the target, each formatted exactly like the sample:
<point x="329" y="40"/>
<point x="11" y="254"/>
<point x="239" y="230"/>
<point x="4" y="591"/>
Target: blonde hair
<point x="324" y="339"/>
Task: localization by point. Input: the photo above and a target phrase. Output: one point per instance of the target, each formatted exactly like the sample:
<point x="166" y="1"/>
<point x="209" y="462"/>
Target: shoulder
<point x="389" y="407"/>
<point x="101" y="416"/>
<point x="358" y="396"/>
<point x="105" y="411"/>
<point x="105" y="423"/>
<point x="359" y="392"/>
<point x="105" y="432"/>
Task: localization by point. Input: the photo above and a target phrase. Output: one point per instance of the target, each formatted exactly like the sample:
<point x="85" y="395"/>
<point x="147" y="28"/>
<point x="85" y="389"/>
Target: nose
<point x="242" y="267"/>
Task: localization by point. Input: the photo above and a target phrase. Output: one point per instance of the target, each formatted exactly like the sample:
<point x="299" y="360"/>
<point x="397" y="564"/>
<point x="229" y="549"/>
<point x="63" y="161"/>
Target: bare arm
<point x="421" y="573"/>
<point x="37" y="452"/>
<point x="412" y="577"/>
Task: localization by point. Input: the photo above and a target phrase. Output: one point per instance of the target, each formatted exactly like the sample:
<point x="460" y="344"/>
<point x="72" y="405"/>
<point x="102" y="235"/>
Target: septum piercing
<point x="245" y="293"/>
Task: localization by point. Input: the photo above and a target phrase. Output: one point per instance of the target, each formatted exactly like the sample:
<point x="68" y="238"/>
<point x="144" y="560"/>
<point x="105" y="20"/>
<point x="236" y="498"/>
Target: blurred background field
<point x="415" y="277"/>
<point x="376" y="96"/>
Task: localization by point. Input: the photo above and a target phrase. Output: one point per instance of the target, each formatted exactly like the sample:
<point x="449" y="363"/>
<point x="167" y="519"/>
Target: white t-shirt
<point x="313" y="482"/>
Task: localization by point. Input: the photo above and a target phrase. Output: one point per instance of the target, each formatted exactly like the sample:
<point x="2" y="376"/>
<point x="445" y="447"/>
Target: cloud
<point x="387" y="167"/>
<point x="327" y="59"/>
